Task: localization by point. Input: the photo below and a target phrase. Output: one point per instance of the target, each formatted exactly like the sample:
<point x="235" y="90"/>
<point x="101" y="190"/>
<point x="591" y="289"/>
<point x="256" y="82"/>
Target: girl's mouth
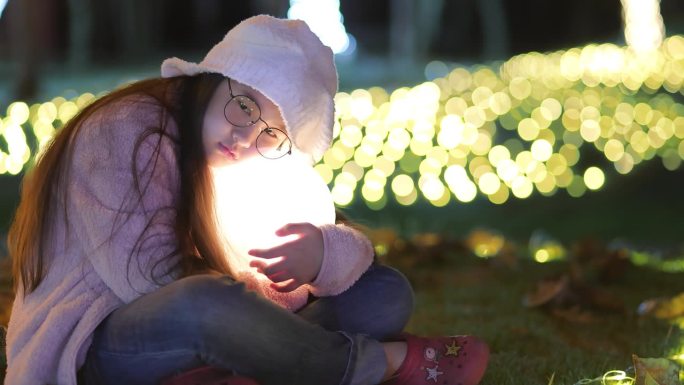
<point x="226" y="151"/>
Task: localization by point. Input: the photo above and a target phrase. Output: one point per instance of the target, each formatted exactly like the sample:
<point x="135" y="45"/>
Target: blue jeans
<point x="212" y="320"/>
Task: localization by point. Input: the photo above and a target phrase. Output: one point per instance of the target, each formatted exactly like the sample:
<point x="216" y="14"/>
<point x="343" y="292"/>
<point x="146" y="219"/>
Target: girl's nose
<point x="244" y="136"/>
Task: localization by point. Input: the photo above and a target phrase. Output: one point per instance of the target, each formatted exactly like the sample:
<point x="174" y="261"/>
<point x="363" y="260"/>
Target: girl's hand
<point x="294" y="263"/>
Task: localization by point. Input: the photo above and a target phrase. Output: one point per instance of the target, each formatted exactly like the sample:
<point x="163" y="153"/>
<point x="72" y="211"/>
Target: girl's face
<point x="225" y="143"/>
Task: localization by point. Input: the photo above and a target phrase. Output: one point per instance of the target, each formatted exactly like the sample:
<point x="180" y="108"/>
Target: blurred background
<point x="508" y="118"/>
<point x="505" y="155"/>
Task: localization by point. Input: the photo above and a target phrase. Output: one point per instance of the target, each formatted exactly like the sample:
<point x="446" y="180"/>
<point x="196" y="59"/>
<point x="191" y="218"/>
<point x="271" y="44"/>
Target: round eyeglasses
<point x="243" y="111"/>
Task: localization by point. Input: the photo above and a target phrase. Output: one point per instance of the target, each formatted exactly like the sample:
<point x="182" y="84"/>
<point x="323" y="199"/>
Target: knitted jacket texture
<point x="90" y="269"/>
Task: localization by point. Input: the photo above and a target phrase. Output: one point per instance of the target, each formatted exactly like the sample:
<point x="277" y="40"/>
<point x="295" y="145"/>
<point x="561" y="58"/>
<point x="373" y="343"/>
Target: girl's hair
<point x="183" y="99"/>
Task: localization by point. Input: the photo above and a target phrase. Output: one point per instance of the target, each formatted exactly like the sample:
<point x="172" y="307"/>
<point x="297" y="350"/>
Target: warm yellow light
<point x="402" y="185"/>
<point x="497" y="154"/>
<point x="571" y="153"/>
<point x="541" y="150"/>
<point x="431" y="187"/>
<point x="594" y="178"/>
<point x="307" y="196"/>
<point x="590" y="130"/>
<point x="66" y="111"/>
<point x="47" y="112"/>
<point x="614" y="150"/>
<point x="507" y="170"/>
<point x="482" y="144"/>
<point x="465" y="190"/>
<point x="556" y="164"/>
<point x="451" y="131"/>
<point x="18" y="113"/>
<point x="399" y="138"/>
<point x="342" y="194"/>
<point x="625" y="164"/>
<point x="551" y="109"/>
<point x="500" y="103"/>
<point x="489" y="183"/>
<point x="352" y="169"/>
<point x="430" y="166"/>
<point x="455" y="106"/>
<point x="84" y="99"/>
<point x="361" y="106"/>
<point x="541" y="256"/>
<point x="351" y="135"/>
<point x="522" y="187"/>
<point x="371" y="193"/>
<point x="408" y="200"/>
<point x="474" y="116"/>
<point x="325" y="172"/>
<point x="644" y="29"/>
<point x="385" y="165"/>
<point x="528" y="129"/>
<point x="546" y="184"/>
<point x="484" y="243"/>
<point x="500" y="196"/>
<point x="365" y="155"/>
<point x="520" y="88"/>
<point x="3" y="163"/>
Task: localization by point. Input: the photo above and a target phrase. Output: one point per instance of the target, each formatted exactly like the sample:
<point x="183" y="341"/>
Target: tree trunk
<point x="494" y="29"/>
<point x="429" y="25"/>
<point x="80" y="31"/>
<point x="20" y="13"/>
<point x="402" y="33"/>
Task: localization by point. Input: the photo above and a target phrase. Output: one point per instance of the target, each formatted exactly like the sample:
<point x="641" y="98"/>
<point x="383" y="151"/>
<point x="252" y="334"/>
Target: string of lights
<point x="526" y="126"/>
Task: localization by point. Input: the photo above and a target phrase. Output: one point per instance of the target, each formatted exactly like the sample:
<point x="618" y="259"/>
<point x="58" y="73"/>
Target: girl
<point x="121" y="276"/>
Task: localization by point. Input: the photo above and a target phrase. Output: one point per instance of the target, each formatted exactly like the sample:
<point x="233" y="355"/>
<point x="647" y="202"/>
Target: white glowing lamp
<point x="257" y="196"/>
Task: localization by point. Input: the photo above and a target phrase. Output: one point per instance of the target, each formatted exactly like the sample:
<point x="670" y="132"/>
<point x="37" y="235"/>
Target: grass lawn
<point x="459" y="293"/>
<point x="465" y="295"/>
<point x="462" y="294"/>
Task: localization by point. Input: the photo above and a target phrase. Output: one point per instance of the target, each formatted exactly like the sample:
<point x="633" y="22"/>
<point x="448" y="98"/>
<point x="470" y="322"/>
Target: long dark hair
<point x="183" y="99"/>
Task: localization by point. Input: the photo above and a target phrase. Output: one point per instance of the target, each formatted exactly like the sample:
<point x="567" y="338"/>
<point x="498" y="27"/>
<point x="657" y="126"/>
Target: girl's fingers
<point x="280" y="276"/>
<point x="258" y="264"/>
<point x="285" y="287"/>
<point x="292" y="228"/>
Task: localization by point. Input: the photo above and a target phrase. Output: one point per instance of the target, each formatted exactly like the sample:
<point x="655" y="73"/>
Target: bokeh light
<point x="527" y="126"/>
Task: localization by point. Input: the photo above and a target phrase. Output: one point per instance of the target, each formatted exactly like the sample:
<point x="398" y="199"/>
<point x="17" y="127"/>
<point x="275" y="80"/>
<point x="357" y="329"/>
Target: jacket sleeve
<point x="347" y="254"/>
<point x="127" y="233"/>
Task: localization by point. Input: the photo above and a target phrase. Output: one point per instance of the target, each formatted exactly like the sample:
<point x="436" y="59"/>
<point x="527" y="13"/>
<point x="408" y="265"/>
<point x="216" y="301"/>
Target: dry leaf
<point x="546" y="290"/>
<point x="566" y="292"/>
<point x="655" y="371"/>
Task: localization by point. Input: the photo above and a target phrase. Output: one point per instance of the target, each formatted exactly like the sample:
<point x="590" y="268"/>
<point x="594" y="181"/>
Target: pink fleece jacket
<point x="89" y="276"/>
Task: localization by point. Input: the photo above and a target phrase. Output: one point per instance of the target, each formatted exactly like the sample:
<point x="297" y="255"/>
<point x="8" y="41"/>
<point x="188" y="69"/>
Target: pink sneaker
<point x="208" y="375"/>
<point x="454" y="360"/>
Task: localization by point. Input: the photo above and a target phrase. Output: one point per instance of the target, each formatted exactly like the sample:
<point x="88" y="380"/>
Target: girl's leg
<point x="378" y="305"/>
<point x="205" y="319"/>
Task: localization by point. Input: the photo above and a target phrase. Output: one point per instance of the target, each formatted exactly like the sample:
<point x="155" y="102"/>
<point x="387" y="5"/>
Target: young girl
<point x="121" y="276"/>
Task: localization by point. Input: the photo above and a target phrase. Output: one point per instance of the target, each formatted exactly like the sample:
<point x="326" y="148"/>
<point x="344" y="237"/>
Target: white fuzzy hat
<point x="287" y="63"/>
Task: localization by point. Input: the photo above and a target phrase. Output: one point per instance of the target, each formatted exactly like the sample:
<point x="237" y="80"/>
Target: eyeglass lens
<point x="242" y="111"/>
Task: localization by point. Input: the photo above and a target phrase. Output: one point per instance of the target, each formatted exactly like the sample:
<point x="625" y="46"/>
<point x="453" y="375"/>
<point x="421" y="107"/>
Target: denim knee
<point x="393" y="297"/>
<point x="199" y="298"/>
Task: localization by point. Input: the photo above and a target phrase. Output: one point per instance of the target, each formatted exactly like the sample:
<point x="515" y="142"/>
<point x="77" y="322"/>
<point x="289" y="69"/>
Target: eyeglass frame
<point x="268" y="127"/>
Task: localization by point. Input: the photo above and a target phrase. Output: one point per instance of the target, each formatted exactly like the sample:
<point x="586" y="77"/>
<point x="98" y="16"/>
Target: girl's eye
<point x="245" y="108"/>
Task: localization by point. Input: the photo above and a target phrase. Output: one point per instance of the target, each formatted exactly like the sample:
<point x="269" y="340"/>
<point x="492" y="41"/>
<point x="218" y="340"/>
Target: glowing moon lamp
<point x="257" y="196"/>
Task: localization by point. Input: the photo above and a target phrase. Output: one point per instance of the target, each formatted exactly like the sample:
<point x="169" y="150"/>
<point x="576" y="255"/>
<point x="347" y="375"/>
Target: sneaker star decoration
<point x="452" y="350"/>
<point x="433" y="373"/>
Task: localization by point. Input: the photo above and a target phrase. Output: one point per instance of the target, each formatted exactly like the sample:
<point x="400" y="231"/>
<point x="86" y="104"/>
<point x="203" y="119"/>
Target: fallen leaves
<point x="568" y="292"/>
<point x="655" y="371"/>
